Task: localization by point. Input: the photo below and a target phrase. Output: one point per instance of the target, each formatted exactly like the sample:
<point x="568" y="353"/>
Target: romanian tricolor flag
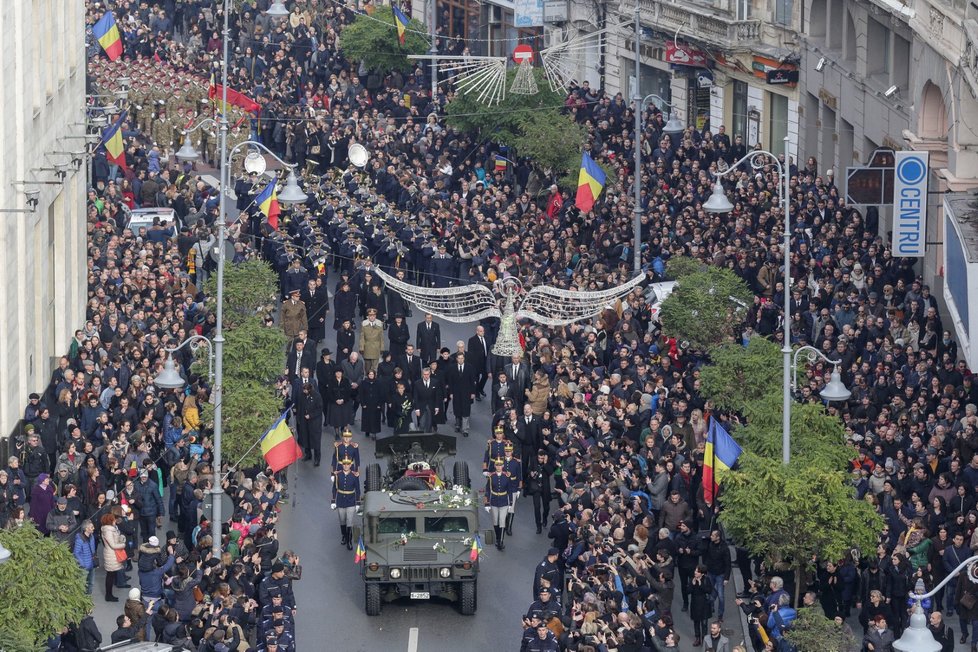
<point x="278" y="446"/>
<point x="268" y="203"/>
<point x="106" y="33"/>
<point x="590" y="183"/>
<point x="115" y="148"/>
<point x="401" y="21"/>
<point x="215" y="93"/>
<point x="361" y="552"/>
<point x="501" y="163"/>
<point x="720" y="456"/>
<point x="476" y="549"/>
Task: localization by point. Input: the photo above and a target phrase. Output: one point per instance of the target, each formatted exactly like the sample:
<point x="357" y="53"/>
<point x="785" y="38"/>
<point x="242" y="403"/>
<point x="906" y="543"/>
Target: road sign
<point x="872" y="185"/>
<point x="910" y="204"/>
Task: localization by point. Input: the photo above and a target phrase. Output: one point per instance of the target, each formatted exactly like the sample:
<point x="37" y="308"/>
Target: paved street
<point x="331" y="596"/>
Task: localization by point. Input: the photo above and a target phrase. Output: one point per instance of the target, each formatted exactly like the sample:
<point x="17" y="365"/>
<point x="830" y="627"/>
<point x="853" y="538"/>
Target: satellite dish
<point x="228" y="251"/>
<point x="255" y="163"/>
<point x="358" y="155"/>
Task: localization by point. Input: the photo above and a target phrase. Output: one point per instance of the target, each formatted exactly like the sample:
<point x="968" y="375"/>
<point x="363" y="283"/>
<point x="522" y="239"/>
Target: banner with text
<point x="910" y="204"/>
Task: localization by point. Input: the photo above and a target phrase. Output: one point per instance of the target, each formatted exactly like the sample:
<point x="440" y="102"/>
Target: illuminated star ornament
<point x="486" y="76"/>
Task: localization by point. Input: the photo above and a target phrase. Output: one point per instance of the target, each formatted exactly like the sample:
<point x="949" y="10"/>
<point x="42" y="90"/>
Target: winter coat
<point x="42" y="502"/>
<point x="538" y="396"/>
<point x="183" y="595"/>
<point x="658" y="490"/>
<point x="84" y="550"/>
<point x="371" y="340"/>
<point x="55" y="519"/>
<point x="370" y="393"/>
<point x="150" y="501"/>
<point x="112" y="540"/>
<point x="294" y="318"/>
<point x="701" y="599"/>
<point x="151" y="572"/>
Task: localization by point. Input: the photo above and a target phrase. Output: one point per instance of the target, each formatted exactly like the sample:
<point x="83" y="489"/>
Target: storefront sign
<point x="686" y="55"/>
<point x="781" y="76"/>
<point x="528" y="13"/>
<point x="910" y="204"/>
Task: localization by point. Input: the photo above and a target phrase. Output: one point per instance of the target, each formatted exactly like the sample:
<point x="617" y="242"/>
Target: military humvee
<point x="420" y="528"/>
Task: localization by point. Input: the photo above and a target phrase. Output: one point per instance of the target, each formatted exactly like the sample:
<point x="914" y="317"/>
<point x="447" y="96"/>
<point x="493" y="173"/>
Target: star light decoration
<point x="486" y="76"/>
<point x="543" y="304"/>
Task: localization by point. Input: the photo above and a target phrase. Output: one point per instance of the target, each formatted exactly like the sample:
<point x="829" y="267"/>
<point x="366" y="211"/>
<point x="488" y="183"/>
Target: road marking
<point x="413" y="639"/>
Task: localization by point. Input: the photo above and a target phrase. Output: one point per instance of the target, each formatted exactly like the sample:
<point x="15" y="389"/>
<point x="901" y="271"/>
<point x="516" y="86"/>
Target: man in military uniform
<point x="495" y="448"/>
<point x="514" y="469"/>
<point x="346" y="449"/>
<point x="548" y="572"/>
<point x="499" y="493"/>
<point x="346" y="494"/>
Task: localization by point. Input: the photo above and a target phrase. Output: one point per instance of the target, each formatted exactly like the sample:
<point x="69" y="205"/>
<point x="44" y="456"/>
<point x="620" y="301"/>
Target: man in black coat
<point x="521" y="377"/>
<point x="428" y="338"/>
<point x="426" y="399"/>
<point x="539" y="472"/>
<point x="477" y="353"/>
<point x="309" y="422"/>
<point x="300" y="357"/>
<point x="410" y="363"/>
<point x="502" y="390"/>
<point x="531" y="436"/>
<point x="317" y="305"/>
<point x="460" y="387"/>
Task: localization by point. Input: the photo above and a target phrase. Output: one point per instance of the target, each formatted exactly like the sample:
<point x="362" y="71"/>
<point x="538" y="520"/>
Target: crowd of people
<point x="606" y="418"/>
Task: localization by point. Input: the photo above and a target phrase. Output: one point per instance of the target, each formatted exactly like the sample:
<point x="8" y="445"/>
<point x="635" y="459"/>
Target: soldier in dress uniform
<point x="514" y="469"/>
<point x="346" y="449"/>
<point x="346" y="494"/>
<point x="495" y="448"/>
<point x="499" y="495"/>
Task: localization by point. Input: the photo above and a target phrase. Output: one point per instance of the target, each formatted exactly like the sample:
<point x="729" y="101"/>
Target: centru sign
<point x="909" y="204"/>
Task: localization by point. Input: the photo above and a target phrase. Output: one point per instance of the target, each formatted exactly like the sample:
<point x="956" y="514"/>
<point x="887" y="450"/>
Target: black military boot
<point x="502" y="537"/>
<point x="349" y="538"/>
<point x="499" y="536"/>
<point x="343" y="529"/>
<point x="509" y="524"/>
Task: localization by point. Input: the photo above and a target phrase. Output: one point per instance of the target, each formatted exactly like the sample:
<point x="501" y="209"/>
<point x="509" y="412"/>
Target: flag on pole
<point x="401" y="21"/>
<point x="720" y="456"/>
<point x="501" y="163"/>
<point x="106" y="32"/>
<point x="278" y="446"/>
<point x="476" y="548"/>
<point x="590" y="183"/>
<point x="115" y="147"/>
<point x="215" y="93"/>
<point x="361" y="552"/>
<point x="267" y="201"/>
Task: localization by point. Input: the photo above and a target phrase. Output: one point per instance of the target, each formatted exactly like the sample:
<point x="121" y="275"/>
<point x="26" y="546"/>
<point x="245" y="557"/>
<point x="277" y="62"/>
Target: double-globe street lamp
<point x="719" y="203"/>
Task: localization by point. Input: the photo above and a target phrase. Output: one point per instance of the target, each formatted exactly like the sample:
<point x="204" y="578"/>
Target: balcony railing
<point x="702" y="23"/>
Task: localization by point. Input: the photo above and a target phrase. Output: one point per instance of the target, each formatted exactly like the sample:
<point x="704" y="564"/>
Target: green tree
<point x="794" y="513"/>
<point x="817" y="438"/>
<point x="706" y="307"/>
<point x="253" y="357"/>
<point x="42" y="589"/>
<point x="250" y="287"/>
<point x="680" y="266"/>
<point x="503" y="123"/>
<point x="739" y="375"/>
<point x="811" y="631"/>
<point x="372" y="39"/>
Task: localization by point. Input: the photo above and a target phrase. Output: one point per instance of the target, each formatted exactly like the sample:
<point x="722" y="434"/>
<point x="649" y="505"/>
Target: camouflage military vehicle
<point x="420" y="527"/>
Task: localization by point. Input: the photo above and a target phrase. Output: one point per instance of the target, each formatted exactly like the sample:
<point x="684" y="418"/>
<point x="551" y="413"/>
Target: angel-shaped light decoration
<point x="486" y="76"/>
<point x="543" y="304"/>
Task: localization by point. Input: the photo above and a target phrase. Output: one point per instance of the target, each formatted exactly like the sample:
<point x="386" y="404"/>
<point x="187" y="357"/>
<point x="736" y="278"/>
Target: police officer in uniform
<point x="346" y="494"/>
<point x="499" y="496"/>
<point x="346" y="450"/>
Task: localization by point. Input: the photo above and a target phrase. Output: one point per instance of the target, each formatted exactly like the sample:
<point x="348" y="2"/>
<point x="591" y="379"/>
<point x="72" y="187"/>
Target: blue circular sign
<point x="911" y="171"/>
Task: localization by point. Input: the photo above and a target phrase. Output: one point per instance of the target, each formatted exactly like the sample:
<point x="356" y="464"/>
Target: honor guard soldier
<point x="499" y="496"/>
<point x="346" y="449"/>
<point x="514" y="469"/>
<point x="495" y="448"/>
<point x="346" y="494"/>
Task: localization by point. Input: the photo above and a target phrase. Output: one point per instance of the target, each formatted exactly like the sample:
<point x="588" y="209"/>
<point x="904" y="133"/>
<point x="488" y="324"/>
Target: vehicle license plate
<point x="420" y="595"/>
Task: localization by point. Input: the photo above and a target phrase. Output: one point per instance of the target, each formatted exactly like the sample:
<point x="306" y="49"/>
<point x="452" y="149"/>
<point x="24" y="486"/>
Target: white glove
<point x="488" y="509"/>
<point x="332" y="505"/>
<point x="486" y="473"/>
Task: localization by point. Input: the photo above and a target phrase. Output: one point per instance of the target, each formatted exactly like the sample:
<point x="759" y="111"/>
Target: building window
<point x="850" y="42"/>
<point x="743" y="9"/>
<point x="739" y="109"/>
<point x="782" y="11"/>
<point x="879" y="38"/>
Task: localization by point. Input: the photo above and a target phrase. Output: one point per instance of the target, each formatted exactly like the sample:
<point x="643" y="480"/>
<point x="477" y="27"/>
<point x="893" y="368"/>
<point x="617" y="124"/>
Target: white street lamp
<point x="917" y="637"/>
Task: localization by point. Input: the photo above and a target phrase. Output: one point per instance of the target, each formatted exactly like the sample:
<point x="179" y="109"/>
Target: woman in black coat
<point x="399" y="410"/>
<point x="372" y="398"/>
<point x="339" y="399"/>
<point x="700" y="603"/>
<point x="325" y="369"/>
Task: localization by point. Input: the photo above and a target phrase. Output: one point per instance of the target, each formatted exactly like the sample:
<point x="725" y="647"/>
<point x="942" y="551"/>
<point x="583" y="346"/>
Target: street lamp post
<point x="718" y="203"/>
<point x="291" y="194"/>
<point x="917" y="637"/>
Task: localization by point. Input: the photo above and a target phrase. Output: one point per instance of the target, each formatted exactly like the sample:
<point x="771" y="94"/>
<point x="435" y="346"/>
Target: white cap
<point x="154" y="541"/>
<point x="134" y="594"/>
